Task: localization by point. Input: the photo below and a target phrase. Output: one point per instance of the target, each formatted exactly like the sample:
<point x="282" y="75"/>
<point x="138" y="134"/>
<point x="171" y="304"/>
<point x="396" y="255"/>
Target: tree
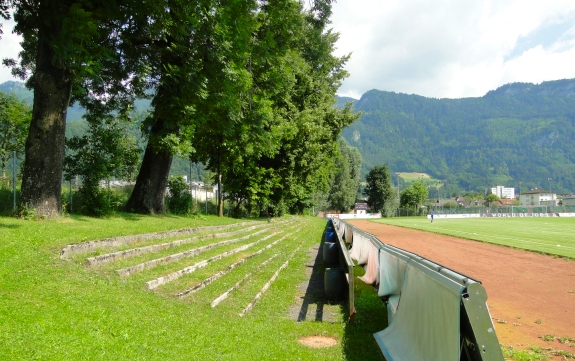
<point x="172" y="37"/>
<point x="310" y="123"/>
<point x="414" y="196"/>
<point x="222" y="131"/>
<point x="105" y="151"/>
<point x="346" y="181"/>
<point x="379" y="190"/>
<point x="274" y="141"/>
<point x="64" y="44"/>
<point x="14" y="122"/>
<point x="491" y="198"/>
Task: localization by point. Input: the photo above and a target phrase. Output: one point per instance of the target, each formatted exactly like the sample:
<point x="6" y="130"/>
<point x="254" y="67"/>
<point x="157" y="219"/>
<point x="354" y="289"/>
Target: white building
<point x="538" y="197"/>
<point x="503" y="192"/>
<point x="201" y="192"/>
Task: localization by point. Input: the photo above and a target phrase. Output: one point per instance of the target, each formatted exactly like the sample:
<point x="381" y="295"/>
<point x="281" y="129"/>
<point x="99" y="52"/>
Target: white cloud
<point x="451" y="48"/>
<point x="9" y="48"/>
<point x="441" y="48"/>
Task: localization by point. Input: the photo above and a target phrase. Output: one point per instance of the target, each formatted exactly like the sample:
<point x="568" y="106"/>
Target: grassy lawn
<point x="63" y="309"/>
<point x="555" y="236"/>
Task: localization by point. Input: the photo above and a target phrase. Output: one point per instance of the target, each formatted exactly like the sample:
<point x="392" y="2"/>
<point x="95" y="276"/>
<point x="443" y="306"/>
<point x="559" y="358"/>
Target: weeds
<point x="533" y="354"/>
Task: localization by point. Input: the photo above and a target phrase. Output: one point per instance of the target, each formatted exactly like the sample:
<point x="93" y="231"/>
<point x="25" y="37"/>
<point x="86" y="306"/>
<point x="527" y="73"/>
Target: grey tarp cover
<point x="426" y="325"/>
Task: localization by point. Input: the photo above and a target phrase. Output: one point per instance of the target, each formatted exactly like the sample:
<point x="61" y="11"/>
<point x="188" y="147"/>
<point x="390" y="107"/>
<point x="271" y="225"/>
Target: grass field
<point x="410" y="177"/>
<point x="63" y="309"/>
<point x="555" y="236"/>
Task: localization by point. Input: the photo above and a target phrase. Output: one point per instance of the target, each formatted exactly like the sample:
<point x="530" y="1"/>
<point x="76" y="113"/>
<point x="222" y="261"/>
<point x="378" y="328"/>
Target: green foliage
<point x="379" y="190"/>
<point x="449" y="204"/>
<point x="517" y="133"/>
<point x="414" y="196"/>
<point x="15" y="118"/>
<point x="105" y="151"/>
<point x="533" y="354"/>
<point x="180" y="200"/>
<point x="6" y="197"/>
<point x="491" y="198"/>
<point x="345" y="185"/>
<point x="271" y="131"/>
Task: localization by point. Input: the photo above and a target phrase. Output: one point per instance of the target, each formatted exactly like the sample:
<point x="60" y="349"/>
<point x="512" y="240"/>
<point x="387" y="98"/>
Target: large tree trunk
<point x="42" y="173"/>
<point x="150" y="190"/>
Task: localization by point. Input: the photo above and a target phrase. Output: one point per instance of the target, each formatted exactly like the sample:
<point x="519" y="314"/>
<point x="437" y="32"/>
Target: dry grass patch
<point x="318" y="341"/>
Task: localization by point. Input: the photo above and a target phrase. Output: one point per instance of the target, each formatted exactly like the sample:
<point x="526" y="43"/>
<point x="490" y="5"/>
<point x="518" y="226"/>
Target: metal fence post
<point x="14" y="179"/>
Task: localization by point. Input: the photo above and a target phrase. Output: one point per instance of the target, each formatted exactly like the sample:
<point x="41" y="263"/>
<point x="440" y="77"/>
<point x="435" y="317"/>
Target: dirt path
<point x="533" y="293"/>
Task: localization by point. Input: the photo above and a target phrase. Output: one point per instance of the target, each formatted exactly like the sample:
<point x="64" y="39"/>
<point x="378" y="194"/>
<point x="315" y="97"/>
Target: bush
<point x="96" y="201"/>
<point x="180" y="200"/>
<point x="7" y="197"/>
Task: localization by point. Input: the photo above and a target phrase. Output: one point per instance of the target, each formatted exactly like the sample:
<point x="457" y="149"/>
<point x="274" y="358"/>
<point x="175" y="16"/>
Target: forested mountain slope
<point x="520" y="132"/>
<point x="75" y="112"/>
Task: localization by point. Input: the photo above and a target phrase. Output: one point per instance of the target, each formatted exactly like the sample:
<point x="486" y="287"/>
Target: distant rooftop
<point x="536" y="191"/>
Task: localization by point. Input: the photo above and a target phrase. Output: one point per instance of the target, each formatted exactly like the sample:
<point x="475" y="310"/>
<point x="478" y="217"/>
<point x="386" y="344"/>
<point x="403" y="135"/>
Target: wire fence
<point x="402" y="212"/>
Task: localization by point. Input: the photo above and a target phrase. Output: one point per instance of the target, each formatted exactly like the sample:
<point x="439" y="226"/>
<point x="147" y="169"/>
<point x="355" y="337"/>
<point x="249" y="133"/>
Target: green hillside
<point x="75" y="112"/>
<point x="520" y="132"/>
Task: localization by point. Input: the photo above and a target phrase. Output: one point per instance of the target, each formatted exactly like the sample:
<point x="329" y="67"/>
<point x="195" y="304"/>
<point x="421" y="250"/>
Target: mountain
<point x="520" y="134"/>
<point x="75" y="112"/>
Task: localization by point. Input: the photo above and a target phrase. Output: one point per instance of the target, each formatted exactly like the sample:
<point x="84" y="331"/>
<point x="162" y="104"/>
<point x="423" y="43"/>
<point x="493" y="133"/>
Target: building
<point x="538" y="197"/>
<point x="503" y="192"/>
<point x="360" y="208"/>
<point x="569" y="200"/>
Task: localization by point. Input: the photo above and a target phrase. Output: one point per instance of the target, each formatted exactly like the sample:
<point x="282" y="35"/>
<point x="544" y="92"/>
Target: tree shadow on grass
<point x="129" y="216"/>
<point x="314" y="305"/>
<point x="13" y="226"/>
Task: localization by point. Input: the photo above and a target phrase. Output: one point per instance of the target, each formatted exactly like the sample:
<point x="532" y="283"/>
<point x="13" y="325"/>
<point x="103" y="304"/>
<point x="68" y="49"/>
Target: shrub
<point x="180" y="200"/>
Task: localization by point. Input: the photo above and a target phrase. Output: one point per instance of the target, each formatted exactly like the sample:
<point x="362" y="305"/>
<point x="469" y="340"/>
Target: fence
<point x="508" y="209"/>
<point x="434" y="313"/>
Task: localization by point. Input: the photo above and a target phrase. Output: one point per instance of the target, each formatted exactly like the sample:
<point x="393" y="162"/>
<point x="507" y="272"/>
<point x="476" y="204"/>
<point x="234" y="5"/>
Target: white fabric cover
<point x="360" y="248"/>
<point x="367" y="255"/>
<point x="426" y="324"/>
<point x="348" y="234"/>
<point x="371" y="268"/>
<point x="392" y="304"/>
<point x="391" y="272"/>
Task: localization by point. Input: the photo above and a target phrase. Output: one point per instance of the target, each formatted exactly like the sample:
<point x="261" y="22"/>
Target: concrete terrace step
<point x="90" y="246"/>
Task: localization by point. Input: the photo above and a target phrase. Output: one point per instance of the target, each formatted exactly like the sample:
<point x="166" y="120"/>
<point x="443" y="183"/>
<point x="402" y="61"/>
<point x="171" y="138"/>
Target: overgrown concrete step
<point x="155" y="283"/>
<point x="266" y="286"/>
<point x="128" y="271"/>
<point x="227" y="270"/>
<point x="132" y="252"/>
<point x="90" y="246"/>
<point x="237" y="285"/>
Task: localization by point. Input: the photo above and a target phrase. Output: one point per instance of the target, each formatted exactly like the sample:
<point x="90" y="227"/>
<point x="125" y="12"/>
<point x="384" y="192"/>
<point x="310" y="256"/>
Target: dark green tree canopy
<point x="379" y="189"/>
<point x="343" y="193"/>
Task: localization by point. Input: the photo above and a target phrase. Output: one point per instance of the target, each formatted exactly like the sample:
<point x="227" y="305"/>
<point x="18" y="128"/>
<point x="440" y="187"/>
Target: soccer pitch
<point x="554" y="236"/>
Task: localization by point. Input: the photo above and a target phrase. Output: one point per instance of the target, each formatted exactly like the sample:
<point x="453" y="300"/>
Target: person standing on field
<point x="432" y="213"/>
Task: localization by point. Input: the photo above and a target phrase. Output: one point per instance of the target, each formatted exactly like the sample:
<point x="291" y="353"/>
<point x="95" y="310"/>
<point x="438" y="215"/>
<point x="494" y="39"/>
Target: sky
<point x="453" y="48"/>
<point x="440" y="48"/>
